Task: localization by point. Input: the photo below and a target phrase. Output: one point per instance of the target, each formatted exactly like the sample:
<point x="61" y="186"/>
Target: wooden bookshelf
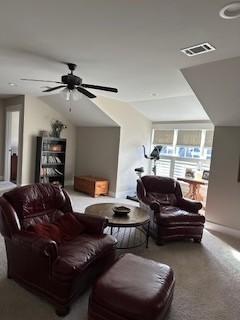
<point x="50" y="160"/>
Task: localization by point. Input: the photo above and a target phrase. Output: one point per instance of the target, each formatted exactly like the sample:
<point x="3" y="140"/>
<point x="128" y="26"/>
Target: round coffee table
<point x="131" y="230"/>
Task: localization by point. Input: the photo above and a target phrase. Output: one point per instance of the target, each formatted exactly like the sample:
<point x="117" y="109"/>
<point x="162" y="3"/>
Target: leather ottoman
<point x="133" y="288"/>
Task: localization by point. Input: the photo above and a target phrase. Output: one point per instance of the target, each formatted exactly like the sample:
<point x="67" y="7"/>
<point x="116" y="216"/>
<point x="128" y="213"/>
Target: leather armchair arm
<point x="93" y="224"/>
<point x="189" y="205"/>
<point x="35" y="243"/>
<point x="155" y="206"/>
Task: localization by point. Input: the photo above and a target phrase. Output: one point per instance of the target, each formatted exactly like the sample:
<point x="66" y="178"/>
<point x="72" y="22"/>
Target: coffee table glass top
<point x="135" y="217"/>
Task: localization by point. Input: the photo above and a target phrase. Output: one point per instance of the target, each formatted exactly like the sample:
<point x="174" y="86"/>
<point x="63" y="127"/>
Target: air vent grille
<point x="198" y="49"/>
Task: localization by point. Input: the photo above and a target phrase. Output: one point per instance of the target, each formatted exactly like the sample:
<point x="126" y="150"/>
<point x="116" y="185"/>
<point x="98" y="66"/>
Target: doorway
<point x="12" y="144"/>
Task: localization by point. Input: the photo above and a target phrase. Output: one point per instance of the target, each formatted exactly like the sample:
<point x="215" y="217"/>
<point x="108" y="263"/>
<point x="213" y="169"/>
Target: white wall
<point x="2" y="138"/>
<point x="135" y="131"/>
<point x="38" y="116"/>
<point x="97" y="153"/>
<point x="223" y="203"/>
<point x="216" y="86"/>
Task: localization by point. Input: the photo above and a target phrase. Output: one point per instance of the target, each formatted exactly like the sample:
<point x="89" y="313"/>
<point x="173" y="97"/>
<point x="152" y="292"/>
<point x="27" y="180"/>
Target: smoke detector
<point x="230" y="11"/>
<point x="198" y="49"/>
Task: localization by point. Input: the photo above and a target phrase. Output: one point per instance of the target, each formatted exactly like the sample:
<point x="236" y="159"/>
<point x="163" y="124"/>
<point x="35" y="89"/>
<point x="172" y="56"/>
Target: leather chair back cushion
<point x="159" y="184"/>
<point x="162" y="185"/>
<point x="37" y="203"/>
<point x="163" y="198"/>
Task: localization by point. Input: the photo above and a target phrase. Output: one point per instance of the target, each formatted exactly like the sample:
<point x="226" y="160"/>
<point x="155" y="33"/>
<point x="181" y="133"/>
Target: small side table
<point x="91" y="185"/>
<point x="194" y="192"/>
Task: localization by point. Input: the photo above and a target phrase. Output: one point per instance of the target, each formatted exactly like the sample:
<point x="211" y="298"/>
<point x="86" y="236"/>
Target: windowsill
<point x="182" y="158"/>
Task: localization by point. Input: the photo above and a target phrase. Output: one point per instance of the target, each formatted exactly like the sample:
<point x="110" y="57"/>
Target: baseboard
<point x="223" y="229"/>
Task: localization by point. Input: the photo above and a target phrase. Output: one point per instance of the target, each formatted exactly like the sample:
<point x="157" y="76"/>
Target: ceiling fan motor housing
<point x="71" y="80"/>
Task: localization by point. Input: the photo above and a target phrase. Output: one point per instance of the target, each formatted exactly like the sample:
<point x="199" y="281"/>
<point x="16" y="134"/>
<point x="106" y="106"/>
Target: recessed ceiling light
<point x="11" y="84"/>
<point x="230" y="11"/>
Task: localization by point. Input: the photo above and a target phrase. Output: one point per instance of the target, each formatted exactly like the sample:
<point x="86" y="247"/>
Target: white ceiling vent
<point x="198" y="49"/>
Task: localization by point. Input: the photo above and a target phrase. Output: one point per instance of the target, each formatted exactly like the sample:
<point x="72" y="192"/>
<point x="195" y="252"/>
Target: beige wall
<point x="135" y="131"/>
<point x="2" y="138"/>
<point x="97" y="153"/>
<point x="38" y="116"/>
<point x="223" y="203"/>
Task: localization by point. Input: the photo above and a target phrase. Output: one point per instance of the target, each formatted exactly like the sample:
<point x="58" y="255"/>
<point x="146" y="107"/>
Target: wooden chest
<point x="91" y="185"/>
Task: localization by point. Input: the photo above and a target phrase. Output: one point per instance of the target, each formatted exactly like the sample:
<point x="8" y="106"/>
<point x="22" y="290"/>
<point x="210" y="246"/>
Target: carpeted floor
<point x="207" y="280"/>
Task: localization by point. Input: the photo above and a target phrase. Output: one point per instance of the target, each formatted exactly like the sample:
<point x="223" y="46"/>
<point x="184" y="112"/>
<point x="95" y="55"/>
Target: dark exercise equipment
<point x="154" y="155"/>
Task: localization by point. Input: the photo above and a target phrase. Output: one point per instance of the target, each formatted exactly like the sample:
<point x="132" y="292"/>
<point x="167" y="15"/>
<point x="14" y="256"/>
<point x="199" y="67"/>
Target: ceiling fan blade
<point x="54" y="88"/>
<point x="40" y="80"/>
<point x="86" y="92"/>
<point x="92" y="86"/>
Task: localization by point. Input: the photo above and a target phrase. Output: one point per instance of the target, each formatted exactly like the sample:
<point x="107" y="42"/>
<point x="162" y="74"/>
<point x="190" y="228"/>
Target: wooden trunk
<point x="91" y="185"/>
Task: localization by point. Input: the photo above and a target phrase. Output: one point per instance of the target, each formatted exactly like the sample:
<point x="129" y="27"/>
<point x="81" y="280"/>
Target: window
<point x="183" y="149"/>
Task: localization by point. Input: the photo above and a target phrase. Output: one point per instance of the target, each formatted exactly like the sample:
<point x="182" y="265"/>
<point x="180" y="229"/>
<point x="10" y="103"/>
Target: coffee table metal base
<point x="130" y="237"/>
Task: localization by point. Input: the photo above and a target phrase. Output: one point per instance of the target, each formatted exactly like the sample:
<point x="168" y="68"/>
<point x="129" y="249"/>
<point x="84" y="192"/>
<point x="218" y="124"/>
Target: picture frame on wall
<point x="205" y="175"/>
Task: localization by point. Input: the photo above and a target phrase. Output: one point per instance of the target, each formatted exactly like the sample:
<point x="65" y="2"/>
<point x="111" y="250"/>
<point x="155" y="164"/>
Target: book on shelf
<point x="50" y="172"/>
<point x="50" y="160"/>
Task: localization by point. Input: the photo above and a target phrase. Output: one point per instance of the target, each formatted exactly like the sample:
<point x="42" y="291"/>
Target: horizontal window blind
<point x="189" y="138"/>
<point x="208" y="139"/>
<point x="163" y="167"/>
<point x="181" y="166"/>
<point x="164" y="137"/>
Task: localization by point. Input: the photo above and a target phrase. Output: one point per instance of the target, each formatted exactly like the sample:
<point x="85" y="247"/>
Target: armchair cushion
<point x="93" y="224"/>
<point x="47" y="230"/>
<point x="174" y="216"/>
<point x="76" y="255"/>
<point x="69" y="226"/>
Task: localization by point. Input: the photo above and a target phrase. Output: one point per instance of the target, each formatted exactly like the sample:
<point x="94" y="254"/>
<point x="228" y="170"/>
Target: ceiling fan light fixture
<point x="66" y="93"/>
<point x="76" y="95"/>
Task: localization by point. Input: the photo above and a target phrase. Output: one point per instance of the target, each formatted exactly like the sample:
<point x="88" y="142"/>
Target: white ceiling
<point x="133" y="45"/>
<point x="84" y="113"/>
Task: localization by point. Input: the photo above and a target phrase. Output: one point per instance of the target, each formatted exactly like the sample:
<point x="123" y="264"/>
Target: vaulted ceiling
<point x="133" y="45"/>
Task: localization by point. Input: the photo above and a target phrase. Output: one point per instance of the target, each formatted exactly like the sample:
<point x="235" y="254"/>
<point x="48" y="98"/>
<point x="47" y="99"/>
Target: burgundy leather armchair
<point x="58" y="271"/>
<point x="172" y="217"/>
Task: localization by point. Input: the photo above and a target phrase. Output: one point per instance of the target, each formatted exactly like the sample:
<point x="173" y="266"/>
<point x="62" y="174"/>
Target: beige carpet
<point x="207" y="280"/>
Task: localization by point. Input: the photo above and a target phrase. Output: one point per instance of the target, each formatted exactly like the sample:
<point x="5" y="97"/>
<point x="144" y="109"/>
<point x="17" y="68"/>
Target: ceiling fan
<point x="72" y="84"/>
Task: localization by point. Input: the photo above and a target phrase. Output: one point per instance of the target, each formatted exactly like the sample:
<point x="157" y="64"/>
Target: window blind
<point x="163" y="137"/>
<point x="189" y="138"/>
<point x="208" y="139"/>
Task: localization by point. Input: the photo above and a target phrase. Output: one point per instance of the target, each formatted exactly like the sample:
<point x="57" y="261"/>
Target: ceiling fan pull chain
<point x="69" y="105"/>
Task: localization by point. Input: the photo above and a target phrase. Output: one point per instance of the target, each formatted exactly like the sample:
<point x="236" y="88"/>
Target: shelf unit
<point x="50" y="160"/>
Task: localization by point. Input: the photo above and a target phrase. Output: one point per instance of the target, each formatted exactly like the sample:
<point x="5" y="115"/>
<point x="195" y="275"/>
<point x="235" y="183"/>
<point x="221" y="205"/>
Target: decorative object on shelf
<point x="44" y="133"/>
<point x="205" y="175"/>
<point x="121" y="210"/>
<point x="57" y="127"/>
<point x="50" y="160"/>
